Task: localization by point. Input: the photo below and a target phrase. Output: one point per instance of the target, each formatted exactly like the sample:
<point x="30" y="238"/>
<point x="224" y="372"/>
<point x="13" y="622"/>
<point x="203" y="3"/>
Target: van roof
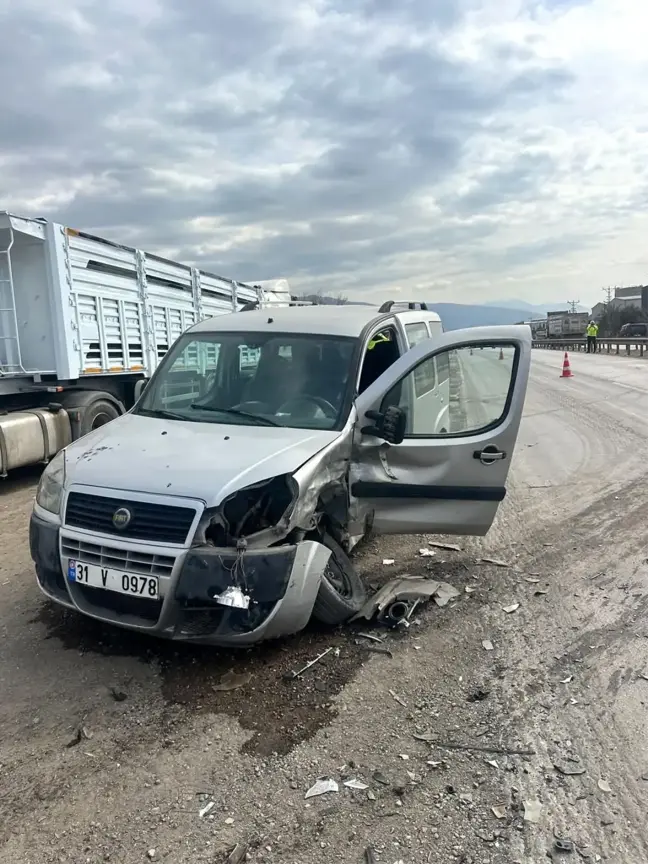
<point x="323" y="320"/>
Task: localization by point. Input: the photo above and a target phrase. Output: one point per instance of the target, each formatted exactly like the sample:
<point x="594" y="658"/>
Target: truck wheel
<point x="342" y="592"/>
<point x="90" y="409"/>
<point x="95" y="415"/>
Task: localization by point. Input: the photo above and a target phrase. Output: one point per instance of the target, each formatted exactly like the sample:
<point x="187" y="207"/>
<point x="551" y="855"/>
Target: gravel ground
<point x="111" y="745"/>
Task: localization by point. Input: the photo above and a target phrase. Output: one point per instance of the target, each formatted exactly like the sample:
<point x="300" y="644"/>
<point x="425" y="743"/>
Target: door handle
<point x="489" y="455"/>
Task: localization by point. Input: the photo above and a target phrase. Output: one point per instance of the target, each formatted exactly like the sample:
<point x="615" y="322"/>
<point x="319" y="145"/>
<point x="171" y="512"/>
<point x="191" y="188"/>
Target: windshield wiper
<point x="263" y="421"/>
<point x="162" y="414"/>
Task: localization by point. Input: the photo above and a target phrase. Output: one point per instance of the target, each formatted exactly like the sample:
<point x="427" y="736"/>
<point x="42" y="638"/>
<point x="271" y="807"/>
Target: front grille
<point x="119" y="604"/>
<point x="162" y="523"/>
<point x="117" y="559"/>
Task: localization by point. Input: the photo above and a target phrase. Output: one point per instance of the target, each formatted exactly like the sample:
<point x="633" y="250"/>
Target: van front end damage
<point x="217" y="596"/>
<point x="275" y="590"/>
<point x="258" y="565"/>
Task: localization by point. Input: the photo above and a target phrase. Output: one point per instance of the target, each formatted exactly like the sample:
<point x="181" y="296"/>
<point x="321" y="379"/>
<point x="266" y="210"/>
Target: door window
<point x="380" y="353"/>
<point x="472" y="396"/>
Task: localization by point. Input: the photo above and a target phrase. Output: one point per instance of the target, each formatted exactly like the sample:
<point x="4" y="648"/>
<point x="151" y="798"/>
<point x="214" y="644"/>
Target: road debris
<point x="540" y="592"/>
<point x="427" y="553"/>
<point x="322" y="787"/>
<point x="392" y="602"/>
<point x="118" y="695"/>
<point x="496" y="562"/>
<point x="374" y="649"/>
<point x="532" y="811"/>
<point x="604" y="786"/>
<point x="397" y="698"/>
<point x="488" y="645"/>
<point x="532" y="581"/>
<point x="512" y="608"/>
<point x="499" y="811"/>
<point x="81" y="734"/>
<point x="238" y="854"/>
<point x="356" y="784"/>
<point x="563" y="845"/>
<point x="478" y="748"/>
<point x="379" y="777"/>
<point x="478" y="695"/>
<point x="450" y="547"/>
<point x="388" y="561"/>
<point x="470" y="589"/>
<point x="232" y="681"/>
<point x="151" y="854"/>
<point x="290" y="676"/>
<point x="371" y="637"/>
<point x="492" y="763"/>
<point x="206" y="809"/>
<point x="567" y="680"/>
<point x="569" y="770"/>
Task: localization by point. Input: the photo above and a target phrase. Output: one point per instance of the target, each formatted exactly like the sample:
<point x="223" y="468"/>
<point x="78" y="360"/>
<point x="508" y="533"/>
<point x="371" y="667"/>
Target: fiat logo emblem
<point x="121" y="518"/>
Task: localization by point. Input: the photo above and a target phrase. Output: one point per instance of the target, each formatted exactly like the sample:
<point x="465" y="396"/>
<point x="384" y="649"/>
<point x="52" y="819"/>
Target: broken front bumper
<point x="282" y="583"/>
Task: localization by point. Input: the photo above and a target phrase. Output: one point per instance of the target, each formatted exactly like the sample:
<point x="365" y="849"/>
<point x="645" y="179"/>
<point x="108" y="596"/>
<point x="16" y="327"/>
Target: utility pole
<point x="608" y="294"/>
<point x="572" y="305"/>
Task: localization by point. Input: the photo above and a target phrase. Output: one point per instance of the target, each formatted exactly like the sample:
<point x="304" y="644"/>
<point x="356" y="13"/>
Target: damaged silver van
<point x="224" y="506"/>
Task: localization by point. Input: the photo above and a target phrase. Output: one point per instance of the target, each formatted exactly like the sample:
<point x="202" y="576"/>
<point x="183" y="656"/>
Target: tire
<point x="95" y="415"/>
<point x="90" y="409"/>
<point x="342" y="592"/>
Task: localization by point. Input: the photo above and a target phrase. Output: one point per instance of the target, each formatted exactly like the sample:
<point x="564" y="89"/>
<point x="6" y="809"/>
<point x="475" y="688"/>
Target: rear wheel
<point x="89" y="410"/>
<point x="96" y="415"/>
<point x="342" y="592"/>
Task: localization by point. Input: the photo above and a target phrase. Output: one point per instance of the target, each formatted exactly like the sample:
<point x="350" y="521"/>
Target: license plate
<point x="113" y="580"/>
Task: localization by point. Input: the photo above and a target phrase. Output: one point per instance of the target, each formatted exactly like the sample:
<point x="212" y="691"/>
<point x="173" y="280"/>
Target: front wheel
<point x="342" y="593"/>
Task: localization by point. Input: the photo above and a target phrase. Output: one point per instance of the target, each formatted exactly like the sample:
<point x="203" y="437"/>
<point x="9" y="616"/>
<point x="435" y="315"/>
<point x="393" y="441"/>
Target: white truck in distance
<point x="82" y="319"/>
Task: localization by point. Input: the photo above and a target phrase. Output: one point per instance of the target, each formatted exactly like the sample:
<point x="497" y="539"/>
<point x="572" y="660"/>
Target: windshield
<point x="261" y="379"/>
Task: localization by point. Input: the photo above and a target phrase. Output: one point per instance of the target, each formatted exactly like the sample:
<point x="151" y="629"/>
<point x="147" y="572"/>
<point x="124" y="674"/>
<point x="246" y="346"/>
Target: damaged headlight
<point x="255" y="508"/>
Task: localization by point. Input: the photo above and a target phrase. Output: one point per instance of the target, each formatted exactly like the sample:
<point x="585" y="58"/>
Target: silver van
<point x="224" y="506"/>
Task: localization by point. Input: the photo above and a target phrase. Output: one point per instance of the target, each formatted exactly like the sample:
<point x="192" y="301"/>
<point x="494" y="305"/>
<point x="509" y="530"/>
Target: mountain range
<point x="456" y="316"/>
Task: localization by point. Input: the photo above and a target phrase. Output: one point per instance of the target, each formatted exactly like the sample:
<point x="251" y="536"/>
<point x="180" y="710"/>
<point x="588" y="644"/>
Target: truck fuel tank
<point x="32" y="436"/>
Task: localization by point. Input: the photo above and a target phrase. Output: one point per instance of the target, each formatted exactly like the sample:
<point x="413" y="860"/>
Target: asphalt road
<point x="563" y="685"/>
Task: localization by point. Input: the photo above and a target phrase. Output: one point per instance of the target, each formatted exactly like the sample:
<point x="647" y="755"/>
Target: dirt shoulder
<point x="111" y="746"/>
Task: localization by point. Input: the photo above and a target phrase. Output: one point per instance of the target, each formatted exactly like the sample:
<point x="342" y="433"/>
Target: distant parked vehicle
<point x="640" y="329"/>
<point x="562" y="325"/>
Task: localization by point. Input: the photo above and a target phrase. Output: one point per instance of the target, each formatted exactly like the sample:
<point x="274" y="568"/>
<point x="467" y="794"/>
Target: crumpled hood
<point x="206" y="461"/>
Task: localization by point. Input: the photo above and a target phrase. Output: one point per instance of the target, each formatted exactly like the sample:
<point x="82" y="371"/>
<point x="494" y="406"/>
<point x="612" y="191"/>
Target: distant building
<point x="634" y="296"/>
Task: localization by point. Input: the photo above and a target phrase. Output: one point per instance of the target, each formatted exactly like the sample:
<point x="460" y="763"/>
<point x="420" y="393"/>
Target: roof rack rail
<point x="387" y="306"/>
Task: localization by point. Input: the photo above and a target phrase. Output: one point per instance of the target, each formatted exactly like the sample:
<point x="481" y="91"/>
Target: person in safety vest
<point x="379" y="337"/>
<point x="592" y="333"/>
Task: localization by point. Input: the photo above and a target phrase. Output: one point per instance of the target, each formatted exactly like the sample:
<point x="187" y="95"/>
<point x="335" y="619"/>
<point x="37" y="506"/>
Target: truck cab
<point x="224" y="506"/>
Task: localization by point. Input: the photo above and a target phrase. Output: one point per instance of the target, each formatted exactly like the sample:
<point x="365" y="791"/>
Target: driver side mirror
<point x="389" y="425"/>
<point x="140" y="386"/>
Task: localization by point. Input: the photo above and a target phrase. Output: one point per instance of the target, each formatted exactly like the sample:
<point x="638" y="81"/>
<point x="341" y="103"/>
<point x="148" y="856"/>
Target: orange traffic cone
<point x="566" y="370"/>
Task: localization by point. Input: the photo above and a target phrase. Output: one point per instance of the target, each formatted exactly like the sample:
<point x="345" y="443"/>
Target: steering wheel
<point x="329" y="410"/>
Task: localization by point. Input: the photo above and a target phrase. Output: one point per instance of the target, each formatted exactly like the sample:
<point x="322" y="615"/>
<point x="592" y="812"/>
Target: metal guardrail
<point x="604" y="345"/>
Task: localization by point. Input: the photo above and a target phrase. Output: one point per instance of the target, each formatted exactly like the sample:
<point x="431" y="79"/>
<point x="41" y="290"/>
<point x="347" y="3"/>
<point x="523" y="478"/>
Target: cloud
<point x="418" y="146"/>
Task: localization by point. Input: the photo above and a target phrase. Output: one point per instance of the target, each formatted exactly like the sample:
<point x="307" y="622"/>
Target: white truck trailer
<point x="82" y="319"/>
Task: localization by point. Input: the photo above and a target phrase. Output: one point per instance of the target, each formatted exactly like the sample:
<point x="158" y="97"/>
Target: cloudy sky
<point x="451" y="150"/>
